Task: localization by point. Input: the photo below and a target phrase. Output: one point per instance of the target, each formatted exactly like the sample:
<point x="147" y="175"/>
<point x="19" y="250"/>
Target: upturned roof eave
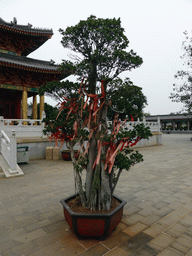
<point x="25" y="29"/>
<point x="40" y="67"/>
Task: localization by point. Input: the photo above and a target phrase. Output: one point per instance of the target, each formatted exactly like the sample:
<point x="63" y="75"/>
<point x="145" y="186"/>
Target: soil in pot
<point x="75" y="205"/>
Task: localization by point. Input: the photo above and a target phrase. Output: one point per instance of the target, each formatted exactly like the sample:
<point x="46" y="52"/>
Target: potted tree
<point x="104" y="147"/>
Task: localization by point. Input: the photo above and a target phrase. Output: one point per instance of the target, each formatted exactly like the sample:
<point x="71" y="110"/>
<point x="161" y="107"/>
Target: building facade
<point x="174" y="122"/>
<point x="21" y="76"/>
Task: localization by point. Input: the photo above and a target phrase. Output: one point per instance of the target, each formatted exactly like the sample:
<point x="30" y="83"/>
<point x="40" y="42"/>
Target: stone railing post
<point x="13" y="151"/>
<point x="0" y="140"/>
<point x="144" y="120"/>
<point x="159" y="123"/>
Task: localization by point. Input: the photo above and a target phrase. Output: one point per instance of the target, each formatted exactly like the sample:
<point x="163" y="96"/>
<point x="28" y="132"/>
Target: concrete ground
<point x="157" y="218"/>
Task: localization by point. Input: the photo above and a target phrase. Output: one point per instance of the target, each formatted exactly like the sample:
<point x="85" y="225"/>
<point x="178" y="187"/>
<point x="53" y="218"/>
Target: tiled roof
<point x="24" y="29"/>
<point x="25" y="62"/>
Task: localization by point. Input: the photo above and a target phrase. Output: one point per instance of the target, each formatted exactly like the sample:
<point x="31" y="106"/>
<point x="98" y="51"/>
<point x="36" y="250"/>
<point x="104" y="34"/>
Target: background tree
<point x="101" y="52"/>
<point x="50" y="111"/>
<point x="183" y="92"/>
<point x="127" y="100"/>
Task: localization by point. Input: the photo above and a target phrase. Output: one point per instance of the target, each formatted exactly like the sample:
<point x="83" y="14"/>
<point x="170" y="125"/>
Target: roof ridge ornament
<point x="15" y="20"/>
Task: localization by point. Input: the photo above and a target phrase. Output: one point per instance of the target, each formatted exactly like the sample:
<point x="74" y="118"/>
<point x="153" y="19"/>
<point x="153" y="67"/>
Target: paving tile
<point x="145" y="251"/>
<point x="30" y="236"/>
<point x="135" y="229"/>
<point x="162" y="240"/>
<point x="187" y="220"/>
<point x="188" y="206"/>
<point x="134" y="218"/>
<point x="117" y="251"/>
<point x="144" y="204"/>
<point x="168" y="252"/>
<point x="185" y="199"/>
<point x="116" y="240"/>
<point x="49" y="250"/>
<point x="176" y="205"/>
<point x="37" y="243"/>
<point x="89" y="243"/>
<point x="37" y="225"/>
<point x="176" y="230"/>
<point x="164" y="211"/>
<point x="97" y="250"/>
<point x="170" y="199"/>
<point x="60" y="225"/>
<point x="180" y="212"/>
<point x="8" y="245"/>
<point x="136" y="242"/>
<point x="131" y="209"/>
<point x="169" y="220"/>
<point x="180" y="247"/>
<point x="155" y="230"/>
<point x="189" y="253"/>
<point x="153" y="181"/>
<point x="147" y="211"/>
<point x="175" y="250"/>
<point x="150" y="219"/>
<point x="160" y="205"/>
<point x="184" y="241"/>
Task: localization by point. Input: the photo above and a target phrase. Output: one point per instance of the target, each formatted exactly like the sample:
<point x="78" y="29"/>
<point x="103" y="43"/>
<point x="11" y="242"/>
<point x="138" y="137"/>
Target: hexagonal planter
<point x="93" y="225"/>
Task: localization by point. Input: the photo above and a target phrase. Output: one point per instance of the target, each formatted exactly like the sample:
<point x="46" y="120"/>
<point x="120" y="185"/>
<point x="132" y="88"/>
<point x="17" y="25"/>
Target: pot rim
<point x="107" y="214"/>
<point x="68" y="151"/>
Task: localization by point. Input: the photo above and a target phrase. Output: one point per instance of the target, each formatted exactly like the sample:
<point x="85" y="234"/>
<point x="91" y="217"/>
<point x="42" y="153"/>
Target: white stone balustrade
<point x="28" y="130"/>
<point x="154" y="126"/>
<point x="9" y="150"/>
<point x="32" y="130"/>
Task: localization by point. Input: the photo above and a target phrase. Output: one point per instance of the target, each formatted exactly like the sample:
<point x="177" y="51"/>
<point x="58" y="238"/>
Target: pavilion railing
<point x="154" y="126"/>
<point x="34" y="128"/>
<point x="8" y="149"/>
<point x="22" y="127"/>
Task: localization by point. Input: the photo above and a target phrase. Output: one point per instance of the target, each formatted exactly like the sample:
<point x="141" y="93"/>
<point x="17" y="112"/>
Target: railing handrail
<point x="9" y="150"/>
<point x="5" y="137"/>
<point x="20" y="121"/>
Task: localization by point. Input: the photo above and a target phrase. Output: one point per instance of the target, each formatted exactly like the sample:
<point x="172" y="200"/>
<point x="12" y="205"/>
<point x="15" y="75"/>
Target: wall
<point x="37" y="146"/>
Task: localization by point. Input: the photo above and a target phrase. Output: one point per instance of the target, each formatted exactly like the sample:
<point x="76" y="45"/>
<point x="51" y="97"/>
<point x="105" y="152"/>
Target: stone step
<point x="2" y="174"/>
<point x="7" y="172"/>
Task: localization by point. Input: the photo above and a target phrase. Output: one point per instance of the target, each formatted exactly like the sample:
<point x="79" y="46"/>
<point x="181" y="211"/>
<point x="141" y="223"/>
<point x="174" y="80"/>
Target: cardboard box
<point x="49" y="153"/>
<point x="56" y="154"/>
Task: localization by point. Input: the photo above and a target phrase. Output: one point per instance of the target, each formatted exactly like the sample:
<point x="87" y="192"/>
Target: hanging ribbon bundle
<point x="93" y="104"/>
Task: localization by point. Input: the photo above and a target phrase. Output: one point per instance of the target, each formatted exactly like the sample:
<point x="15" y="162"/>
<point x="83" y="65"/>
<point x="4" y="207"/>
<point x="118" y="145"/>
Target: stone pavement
<point x="157" y="218"/>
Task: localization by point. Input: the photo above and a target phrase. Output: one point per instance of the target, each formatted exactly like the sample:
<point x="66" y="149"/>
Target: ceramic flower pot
<point x="94" y="225"/>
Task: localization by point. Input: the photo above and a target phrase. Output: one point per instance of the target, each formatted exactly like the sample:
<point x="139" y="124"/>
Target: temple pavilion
<point x="20" y="76"/>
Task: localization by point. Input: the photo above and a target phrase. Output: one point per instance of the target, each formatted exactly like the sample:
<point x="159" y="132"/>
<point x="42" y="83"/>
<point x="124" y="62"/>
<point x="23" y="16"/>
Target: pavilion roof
<point x="24" y="29"/>
<point x="34" y="65"/>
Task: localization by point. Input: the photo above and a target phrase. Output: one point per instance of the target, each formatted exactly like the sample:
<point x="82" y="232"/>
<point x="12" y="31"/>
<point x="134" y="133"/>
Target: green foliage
<point x="127" y="158"/>
<point x="81" y="164"/>
<point x="57" y="90"/>
<point x="50" y="111"/>
<point x="127" y="99"/>
<point x="139" y="130"/>
<point x="183" y="92"/>
<point x="103" y="44"/>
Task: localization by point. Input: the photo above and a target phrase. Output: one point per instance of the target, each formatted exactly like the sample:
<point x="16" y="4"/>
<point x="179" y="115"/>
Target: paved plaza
<point x="157" y="218"/>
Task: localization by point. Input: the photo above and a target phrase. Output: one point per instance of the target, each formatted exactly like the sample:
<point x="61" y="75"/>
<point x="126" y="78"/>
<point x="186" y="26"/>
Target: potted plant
<point x="104" y="147"/>
<point x="67" y="156"/>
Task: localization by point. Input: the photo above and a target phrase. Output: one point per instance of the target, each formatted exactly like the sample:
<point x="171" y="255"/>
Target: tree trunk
<point x="91" y="156"/>
<point x="78" y="179"/>
<point x="93" y="143"/>
<point x="105" y="176"/>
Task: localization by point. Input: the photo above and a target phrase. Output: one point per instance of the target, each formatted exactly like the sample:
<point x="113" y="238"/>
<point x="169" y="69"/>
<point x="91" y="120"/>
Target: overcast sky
<point x="154" y="28"/>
